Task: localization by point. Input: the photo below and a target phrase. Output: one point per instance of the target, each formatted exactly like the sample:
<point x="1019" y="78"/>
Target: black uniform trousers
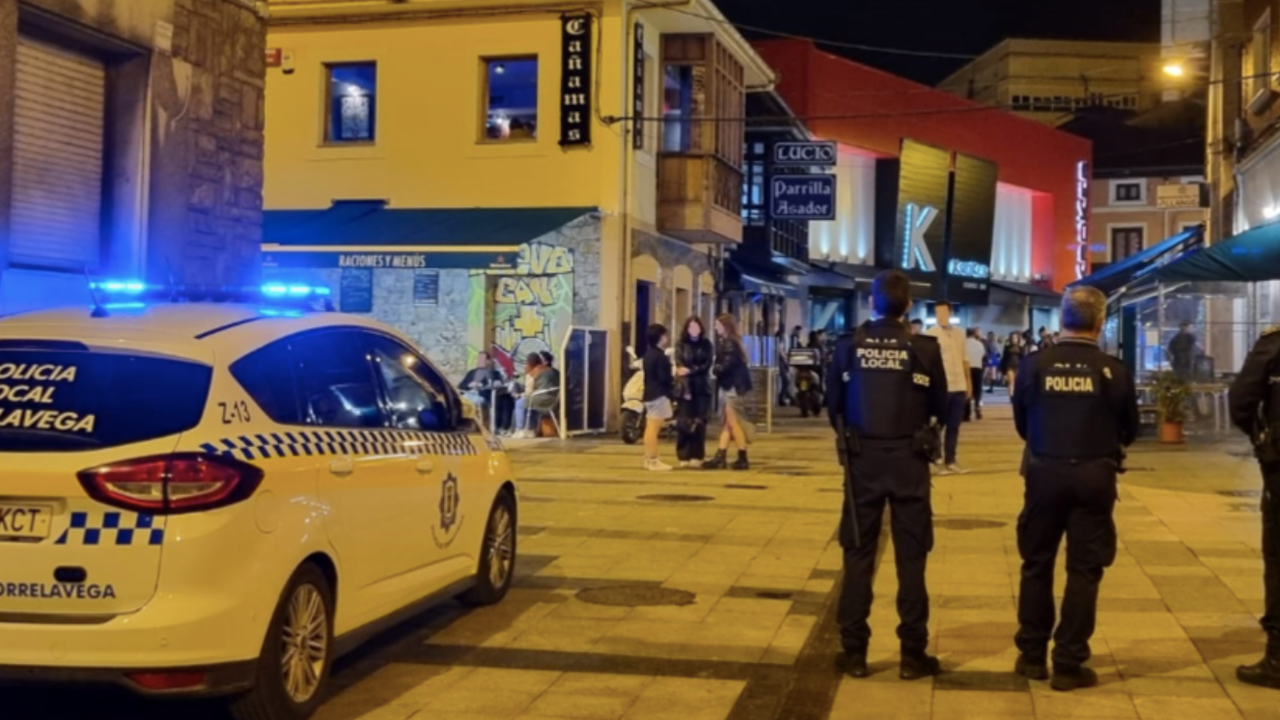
<point x="1271" y="550"/>
<point x="691" y="428"/>
<point x="887" y="472"/>
<point x="1075" y="499"/>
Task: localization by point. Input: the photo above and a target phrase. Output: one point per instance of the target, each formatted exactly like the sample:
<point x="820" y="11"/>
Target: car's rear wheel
<point x="497" y="554"/>
<point x="296" y="657"/>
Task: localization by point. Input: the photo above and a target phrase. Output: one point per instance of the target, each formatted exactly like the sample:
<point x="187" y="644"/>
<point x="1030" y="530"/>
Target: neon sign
<point x="969" y="269"/>
<point x="914" y="249"/>
<point x="1082" y="218"/>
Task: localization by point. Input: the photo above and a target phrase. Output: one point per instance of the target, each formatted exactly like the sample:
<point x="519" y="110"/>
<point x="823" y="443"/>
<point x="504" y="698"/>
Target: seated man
<point x="480" y="382"/>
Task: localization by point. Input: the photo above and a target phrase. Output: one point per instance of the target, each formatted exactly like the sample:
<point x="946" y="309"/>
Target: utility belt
<point x="1266" y="444"/>
<point x="1117" y="461"/>
<point x="927" y="442"/>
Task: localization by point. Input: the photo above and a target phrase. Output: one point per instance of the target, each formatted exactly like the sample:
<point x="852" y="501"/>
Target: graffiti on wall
<point x="532" y="307"/>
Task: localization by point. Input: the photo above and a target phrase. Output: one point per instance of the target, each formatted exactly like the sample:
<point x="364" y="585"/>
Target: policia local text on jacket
<point x="1255" y="409"/>
<point x="884" y="385"/>
<point x="1077" y="409"/>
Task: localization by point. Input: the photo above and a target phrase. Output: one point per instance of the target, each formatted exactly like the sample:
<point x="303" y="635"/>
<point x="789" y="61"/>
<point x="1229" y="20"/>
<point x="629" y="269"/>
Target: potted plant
<point x="1171" y="394"/>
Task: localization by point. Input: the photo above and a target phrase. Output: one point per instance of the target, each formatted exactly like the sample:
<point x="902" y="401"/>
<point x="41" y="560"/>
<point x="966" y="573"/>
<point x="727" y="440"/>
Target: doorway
<point x="644" y="316"/>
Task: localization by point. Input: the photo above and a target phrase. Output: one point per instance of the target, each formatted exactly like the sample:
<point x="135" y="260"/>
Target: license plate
<point x="24" y="521"/>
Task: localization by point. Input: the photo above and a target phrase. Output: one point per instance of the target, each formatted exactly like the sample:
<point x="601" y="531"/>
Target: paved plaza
<point x="709" y="596"/>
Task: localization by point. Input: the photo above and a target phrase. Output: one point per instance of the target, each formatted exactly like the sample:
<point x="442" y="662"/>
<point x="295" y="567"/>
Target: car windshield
<point x="70" y="400"/>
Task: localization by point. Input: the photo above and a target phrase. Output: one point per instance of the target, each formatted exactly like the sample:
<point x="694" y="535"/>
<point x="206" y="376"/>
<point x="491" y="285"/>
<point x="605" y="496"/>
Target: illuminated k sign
<point x="915" y="252"/>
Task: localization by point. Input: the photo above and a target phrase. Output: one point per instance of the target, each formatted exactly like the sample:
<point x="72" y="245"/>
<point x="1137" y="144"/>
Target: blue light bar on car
<point x="111" y="294"/>
<point x="119" y="287"/>
<point x="282" y="290"/>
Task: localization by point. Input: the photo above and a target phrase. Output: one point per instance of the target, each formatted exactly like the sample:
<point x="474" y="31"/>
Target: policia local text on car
<point x="884" y="385"/>
<point x="1255" y="409"/>
<point x="1077" y="409"/>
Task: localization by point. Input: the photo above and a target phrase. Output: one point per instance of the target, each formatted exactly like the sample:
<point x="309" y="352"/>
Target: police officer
<point x="884" y="386"/>
<point x="1255" y="409"/>
<point x="1077" y="409"/>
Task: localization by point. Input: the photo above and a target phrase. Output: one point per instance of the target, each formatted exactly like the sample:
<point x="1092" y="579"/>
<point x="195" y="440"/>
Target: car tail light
<point x="172" y="484"/>
<point x="162" y="681"/>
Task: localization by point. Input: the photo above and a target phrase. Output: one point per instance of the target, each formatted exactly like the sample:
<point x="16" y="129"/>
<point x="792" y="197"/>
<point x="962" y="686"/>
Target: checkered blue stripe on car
<point x="112" y="528"/>
<point x="264" y="446"/>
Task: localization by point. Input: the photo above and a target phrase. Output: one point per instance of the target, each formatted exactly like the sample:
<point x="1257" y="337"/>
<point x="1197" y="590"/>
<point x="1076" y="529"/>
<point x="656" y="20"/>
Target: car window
<point x="267" y="375"/>
<point x="414" y="402"/>
<point x="70" y="400"/>
<point x="335" y="381"/>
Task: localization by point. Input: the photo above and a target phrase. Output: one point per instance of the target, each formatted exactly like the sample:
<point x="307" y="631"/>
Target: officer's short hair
<point x="1083" y="309"/>
<point x="891" y="294"/>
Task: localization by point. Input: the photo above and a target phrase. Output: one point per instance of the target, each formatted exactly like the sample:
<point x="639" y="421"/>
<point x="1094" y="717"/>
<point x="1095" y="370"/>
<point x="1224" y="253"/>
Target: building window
<point x="511" y="99"/>
<point x="1260" y="57"/>
<point x="352" y="102"/>
<point x="1126" y="242"/>
<point x="1127" y="192"/>
<point x="681" y="99"/>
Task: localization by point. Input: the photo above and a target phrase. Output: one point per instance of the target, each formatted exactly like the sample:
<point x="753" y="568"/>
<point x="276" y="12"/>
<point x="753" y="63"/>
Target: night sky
<point x="966" y="27"/>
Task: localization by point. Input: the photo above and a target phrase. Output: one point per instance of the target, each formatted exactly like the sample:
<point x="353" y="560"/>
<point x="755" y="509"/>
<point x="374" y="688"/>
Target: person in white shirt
<point x="954" y="358"/>
<point x="976" y="353"/>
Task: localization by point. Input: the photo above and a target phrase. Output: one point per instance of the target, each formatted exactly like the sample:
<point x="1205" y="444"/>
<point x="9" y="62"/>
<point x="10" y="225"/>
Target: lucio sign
<point x="811" y="154"/>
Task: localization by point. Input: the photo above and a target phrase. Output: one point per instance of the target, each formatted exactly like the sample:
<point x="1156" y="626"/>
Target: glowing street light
<point x="1175" y="70"/>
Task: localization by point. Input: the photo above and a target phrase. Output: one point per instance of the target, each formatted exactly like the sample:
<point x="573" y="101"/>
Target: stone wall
<point x="182" y="198"/>
<point x="557" y="284"/>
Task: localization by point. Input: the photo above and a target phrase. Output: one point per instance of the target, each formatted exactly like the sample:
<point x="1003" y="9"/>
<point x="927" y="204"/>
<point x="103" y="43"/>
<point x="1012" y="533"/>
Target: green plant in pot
<point x="1172" y="393"/>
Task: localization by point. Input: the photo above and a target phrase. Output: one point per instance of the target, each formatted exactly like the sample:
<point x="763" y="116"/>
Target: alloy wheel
<point x="501" y="546"/>
<point x="306" y="643"/>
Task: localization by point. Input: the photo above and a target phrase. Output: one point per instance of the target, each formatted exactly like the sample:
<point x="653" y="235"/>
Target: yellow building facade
<point x="506" y="170"/>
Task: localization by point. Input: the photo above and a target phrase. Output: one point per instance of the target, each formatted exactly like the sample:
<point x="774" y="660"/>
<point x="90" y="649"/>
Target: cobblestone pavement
<point x="591" y="631"/>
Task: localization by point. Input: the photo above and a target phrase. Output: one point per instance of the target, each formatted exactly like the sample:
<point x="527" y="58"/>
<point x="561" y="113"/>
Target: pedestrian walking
<point x="1077" y="409"/>
<point x="951" y="339"/>
<point x="1254" y="400"/>
<point x="992" y="362"/>
<point x="694" y="356"/>
<point x="885" y="385"/>
<point x="733" y="380"/>
<point x="659" y="387"/>
<point x="976" y="353"/>
<point x="1011" y="359"/>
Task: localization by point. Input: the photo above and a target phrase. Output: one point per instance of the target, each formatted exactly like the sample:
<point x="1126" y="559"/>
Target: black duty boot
<point x="1031" y="669"/>
<point x="916" y="665"/>
<point x="1068" y="678"/>
<point x="1266" y="672"/>
<point x="855" y="664"/>
<point x="719" y="462"/>
<point x="742" y="463"/>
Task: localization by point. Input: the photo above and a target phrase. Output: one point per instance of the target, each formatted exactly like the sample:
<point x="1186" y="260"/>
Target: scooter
<point x="804" y="364"/>
<point x="633" y="412"/>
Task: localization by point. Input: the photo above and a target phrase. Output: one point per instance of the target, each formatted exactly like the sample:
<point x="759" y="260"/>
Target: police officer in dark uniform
<point x="1077" y="409"/>
<point x="1255" y="409"/>
<point x="884" y="386"/>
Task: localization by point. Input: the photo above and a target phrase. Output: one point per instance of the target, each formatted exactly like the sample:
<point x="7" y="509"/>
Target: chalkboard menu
<point x="758" y="404"/>
<point x="426" y="287"/>
<point x="575" y="380"/>
<point x="356" y="295"/>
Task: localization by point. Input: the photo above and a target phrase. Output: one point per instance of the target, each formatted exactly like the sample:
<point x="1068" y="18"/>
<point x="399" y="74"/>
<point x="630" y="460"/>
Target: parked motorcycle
<point x="805" y="366"/>
<point x="633" y="412"/>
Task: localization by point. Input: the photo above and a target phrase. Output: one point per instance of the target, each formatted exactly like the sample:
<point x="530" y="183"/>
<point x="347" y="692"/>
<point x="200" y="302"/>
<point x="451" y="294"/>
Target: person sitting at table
<point x="480" y="381"/>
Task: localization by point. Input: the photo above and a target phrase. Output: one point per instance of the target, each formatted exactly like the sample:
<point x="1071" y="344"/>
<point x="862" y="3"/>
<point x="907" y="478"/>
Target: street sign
<point x="802" y="197"/>
<point x="814" y="154"/>
<point x="1184" y="196"/>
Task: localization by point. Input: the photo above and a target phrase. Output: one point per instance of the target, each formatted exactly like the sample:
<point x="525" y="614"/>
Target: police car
<point x="201" y="496"/>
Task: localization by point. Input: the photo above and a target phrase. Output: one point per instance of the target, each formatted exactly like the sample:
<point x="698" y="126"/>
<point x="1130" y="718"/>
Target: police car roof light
<point x="130" y="294"/>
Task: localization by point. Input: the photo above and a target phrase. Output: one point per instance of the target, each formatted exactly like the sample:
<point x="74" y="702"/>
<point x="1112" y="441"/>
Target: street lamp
<point x="1174" y="69"/>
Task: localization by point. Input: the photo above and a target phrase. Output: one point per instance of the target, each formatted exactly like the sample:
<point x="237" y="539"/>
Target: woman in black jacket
<point x="733" y="377"/>
<point x="694" y="355"/>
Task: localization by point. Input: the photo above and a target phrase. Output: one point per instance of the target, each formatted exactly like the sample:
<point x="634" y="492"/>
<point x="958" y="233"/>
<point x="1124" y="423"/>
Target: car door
<point x="424" y="407"/>
<point x="368" y="480"/>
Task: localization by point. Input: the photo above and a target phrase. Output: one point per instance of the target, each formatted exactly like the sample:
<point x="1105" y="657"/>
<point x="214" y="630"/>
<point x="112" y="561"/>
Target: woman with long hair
<point x="694" y="356"/>
<point x="1012" y="357"/>
<point x="733" y="378"/>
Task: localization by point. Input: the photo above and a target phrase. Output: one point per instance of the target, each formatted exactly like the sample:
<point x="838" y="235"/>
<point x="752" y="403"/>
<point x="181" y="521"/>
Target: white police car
<point x="217" y="499"/>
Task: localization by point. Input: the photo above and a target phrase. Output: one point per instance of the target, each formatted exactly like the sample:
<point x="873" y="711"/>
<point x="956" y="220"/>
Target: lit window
<point x="352" y="104"/>
<point x="511" y="99"/>
<point x="678" y="107"/>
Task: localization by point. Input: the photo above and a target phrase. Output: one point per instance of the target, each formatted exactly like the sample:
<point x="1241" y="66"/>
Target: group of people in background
<point x="681" y="385"/>
<point x="519" y="404"/>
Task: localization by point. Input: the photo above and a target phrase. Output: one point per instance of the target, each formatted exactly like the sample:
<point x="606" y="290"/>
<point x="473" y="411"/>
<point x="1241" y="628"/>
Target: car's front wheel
<point x="295" y="661"/>
<point x="497" y="554"/>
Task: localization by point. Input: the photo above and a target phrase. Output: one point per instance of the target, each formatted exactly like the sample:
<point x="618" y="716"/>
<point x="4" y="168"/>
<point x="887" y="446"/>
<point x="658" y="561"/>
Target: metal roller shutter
<point x="57" y="169"/>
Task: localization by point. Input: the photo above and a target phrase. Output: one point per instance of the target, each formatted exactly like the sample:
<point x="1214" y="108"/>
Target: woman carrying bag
<point x="733" y="378"/>
<point x="694" y="356"/>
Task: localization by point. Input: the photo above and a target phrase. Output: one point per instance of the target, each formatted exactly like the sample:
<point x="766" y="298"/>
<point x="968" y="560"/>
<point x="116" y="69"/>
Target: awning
<point x="1118" y="275"/>
<point x="369" y="234"/>
<point x="743" y="279"/>
<point x="1038" y="295"/>
<point x="1251" y="256"/>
